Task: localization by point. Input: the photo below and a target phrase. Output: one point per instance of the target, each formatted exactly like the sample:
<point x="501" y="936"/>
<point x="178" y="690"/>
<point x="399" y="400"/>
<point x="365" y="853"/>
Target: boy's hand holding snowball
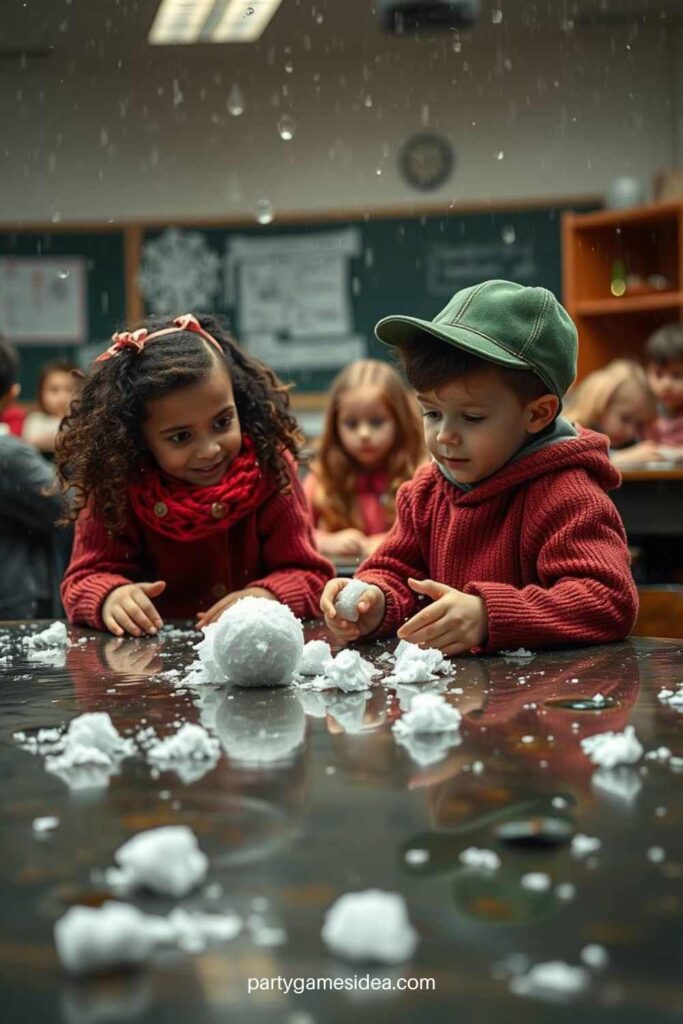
<point x="369" y="609"/>
<point x="453" y="623"/>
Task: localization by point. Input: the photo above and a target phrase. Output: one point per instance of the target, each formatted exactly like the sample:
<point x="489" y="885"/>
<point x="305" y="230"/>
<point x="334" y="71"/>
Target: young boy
<point x="664" y="351"/>
<point x="509" y="532"/>
<point x="29" y="583"/>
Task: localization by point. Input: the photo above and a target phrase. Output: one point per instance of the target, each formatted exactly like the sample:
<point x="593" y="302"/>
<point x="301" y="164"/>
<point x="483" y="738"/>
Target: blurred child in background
<point x="371" y="443"/>
<point x="29" y="582"/>
<point x="664" y="351"/>
<point x="12" y="415"/>
<point x="616" y="400"/>
<point x="57" y="387"/>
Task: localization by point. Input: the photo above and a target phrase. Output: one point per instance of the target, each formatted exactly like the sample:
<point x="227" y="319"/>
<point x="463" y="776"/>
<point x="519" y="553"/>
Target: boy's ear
<point x="541" y="412"/>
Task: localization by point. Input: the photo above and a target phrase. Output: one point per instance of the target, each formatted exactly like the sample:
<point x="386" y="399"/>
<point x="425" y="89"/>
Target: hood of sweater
<point x="586" y="450"/>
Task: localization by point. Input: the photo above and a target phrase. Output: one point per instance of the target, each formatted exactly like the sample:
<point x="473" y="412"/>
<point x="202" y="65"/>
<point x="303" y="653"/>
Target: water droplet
<point x="457" y="46"/>
<point x="500" y="154"/>
<point x="496" y="15"/>
<point x="289" y="67"/>
<point x="250" y="11"/>
<point x="63" y="274"/>
<point x="235" y="102"/>
<point x="378" y="172"/>
<point x="368" y="101"/>
<point x="508" y="234"/>
<point x="56" y="217"/>
<point x="286" y="127"/>
<point x="319" y="18"/>
<point x="263" y="211"/>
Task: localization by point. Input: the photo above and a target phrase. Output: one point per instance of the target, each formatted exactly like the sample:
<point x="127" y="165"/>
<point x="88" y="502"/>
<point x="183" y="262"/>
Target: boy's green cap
<point x="504" y="323"/>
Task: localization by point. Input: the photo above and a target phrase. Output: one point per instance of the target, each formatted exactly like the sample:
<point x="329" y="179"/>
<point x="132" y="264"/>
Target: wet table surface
<point x="314" y="797"/>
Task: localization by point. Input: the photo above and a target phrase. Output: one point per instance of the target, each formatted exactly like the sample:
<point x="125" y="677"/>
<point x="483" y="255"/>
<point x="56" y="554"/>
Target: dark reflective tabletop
<point x="313" y="797"/>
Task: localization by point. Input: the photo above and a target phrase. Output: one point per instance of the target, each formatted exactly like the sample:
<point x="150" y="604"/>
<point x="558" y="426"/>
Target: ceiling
<point x="78" y="28"/>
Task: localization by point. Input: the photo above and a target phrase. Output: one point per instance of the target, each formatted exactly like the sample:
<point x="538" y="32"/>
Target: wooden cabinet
<point x="622" y="278"/>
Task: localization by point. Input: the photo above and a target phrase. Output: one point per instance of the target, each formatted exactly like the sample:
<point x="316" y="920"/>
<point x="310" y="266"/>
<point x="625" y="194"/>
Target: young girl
<point x="57" y="386"/>
<point x="371" y="442"/>
<point x="181" y="453"/>
<point x="617" y="401"/>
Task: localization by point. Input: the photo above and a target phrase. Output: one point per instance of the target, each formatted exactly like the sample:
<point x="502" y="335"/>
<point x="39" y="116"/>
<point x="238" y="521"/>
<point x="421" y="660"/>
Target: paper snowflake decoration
<point x="179" y="272"/>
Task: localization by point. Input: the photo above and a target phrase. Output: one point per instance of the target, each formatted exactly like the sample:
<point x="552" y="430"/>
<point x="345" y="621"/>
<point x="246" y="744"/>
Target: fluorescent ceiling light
<point x="211" y="21"/>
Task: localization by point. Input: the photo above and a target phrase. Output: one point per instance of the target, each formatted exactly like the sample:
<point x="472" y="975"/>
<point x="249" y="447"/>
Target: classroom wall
<point x="531" y="116"/>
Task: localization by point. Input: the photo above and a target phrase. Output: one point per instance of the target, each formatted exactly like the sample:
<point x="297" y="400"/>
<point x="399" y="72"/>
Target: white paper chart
<point x="43" y="299"/>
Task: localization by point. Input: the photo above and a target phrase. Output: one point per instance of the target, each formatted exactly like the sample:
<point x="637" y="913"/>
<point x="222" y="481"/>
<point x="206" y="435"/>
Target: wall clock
<point x="426" y="161"/>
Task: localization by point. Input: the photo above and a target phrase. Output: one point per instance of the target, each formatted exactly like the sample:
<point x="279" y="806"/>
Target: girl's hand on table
<point x="216" y="610"/>
<point x="129" y="609"/>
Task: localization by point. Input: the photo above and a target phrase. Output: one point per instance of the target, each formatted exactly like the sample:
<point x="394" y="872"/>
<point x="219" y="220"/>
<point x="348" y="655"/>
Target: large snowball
<point x="256" y="642"/>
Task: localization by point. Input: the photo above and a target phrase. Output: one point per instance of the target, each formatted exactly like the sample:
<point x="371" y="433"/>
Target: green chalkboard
<point x="103" y="252"/>
<point x="393" y="265"/>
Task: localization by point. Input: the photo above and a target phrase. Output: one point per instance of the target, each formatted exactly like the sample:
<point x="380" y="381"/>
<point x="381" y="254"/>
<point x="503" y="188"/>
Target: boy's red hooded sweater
<point x="271" y="547"/>
<point x="540" y="541"/>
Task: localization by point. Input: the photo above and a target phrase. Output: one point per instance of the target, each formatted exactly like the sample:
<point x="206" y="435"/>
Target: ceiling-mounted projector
<point x="410" y="16"/>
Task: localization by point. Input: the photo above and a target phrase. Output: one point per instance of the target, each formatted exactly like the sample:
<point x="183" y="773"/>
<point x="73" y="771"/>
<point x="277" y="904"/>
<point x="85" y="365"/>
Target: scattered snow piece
<point x="190" y="743"/>
<point x="552" y="979"/>
<point x="566" y="891"/>
<point x="370" y="925"/>
<point x="656" y="854"/>
<point x="166" y="860"/>
<point x="193" y="930"/>
<point x="315" y="655"/>
<point x="595" y="956"/>
<point x="407" y="692"/>
<point x="481" y="860"/>
<point x="660" y="754"/>
<point x="521" y="654"/>
<point x="87" y="754"/>
<point x="256" y="642"/>
<point x="96" y="729"/>
<point x="429" y="713"/>
<point x="268" y="934"/>
<point x="674" y="698"/>
<point x="611" y="748"/>
<point x="560" y="802"/>
<point x="415" y="664"/>
<point x="46" y="824"/>
<point x="54" y="636"/>
<point x="535" y="881"/>
<point x="676" y="763"/>
<point x="346" y="604"/>
<point x="348" y="672"/>
<point x="416" y="856"/>
<point x="92" y="940"/>
<point x="583" y="845"/>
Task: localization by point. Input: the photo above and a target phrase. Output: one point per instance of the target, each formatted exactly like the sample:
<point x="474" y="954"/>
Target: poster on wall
<point x="293" y="297"/>
<point x="43" y="300"/>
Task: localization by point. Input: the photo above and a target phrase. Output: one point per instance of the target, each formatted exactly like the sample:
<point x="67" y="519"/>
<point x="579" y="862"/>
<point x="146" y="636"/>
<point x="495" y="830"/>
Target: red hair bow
<point x="138" y="339"/>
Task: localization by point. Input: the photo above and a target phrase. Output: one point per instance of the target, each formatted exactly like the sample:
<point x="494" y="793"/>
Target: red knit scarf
<point x="186" y="513"/>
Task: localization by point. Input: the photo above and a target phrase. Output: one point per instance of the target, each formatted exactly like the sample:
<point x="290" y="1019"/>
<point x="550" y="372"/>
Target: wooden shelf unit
<point x="647" y="240"/>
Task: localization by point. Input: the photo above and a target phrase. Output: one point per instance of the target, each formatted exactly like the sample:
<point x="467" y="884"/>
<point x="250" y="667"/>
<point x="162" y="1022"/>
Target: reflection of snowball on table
<point x="370" y="925"/>
<point x="256" y="642"/>
<point x="346" y="604"/>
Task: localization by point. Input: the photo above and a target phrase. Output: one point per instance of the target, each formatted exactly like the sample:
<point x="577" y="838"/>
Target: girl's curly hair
<point x="101" y="447"/>
<point x="335" y="498"/>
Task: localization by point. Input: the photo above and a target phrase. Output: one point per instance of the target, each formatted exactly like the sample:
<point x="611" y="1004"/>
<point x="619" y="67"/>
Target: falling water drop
<point x="235" y="102"/>
<point x="286" y="127"/>
<point x="263" y="211"/>
<point x="509" y="234"/>
<point x="63" y="274"/>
